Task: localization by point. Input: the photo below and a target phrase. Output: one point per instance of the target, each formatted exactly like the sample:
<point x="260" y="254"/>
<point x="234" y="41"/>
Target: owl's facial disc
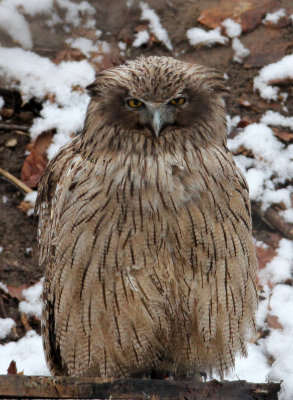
<point x="156" y="116"/>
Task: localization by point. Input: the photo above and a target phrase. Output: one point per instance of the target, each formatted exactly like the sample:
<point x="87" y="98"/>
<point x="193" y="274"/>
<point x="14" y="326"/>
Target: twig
<point x="4" y="126"/>
<point x="15" y="181"/>
<point x="272" y="218"/>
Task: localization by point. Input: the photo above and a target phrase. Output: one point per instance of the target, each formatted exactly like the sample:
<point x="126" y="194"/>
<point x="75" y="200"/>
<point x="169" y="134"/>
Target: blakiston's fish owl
<point x="145" y="230"/>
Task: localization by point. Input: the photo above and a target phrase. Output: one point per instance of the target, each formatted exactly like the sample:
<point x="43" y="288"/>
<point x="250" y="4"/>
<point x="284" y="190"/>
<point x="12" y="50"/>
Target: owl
<point x="145" y="231"/>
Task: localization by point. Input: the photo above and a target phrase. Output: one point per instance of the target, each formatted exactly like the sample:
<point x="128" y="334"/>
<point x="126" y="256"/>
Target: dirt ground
<point x="19" y="266"/>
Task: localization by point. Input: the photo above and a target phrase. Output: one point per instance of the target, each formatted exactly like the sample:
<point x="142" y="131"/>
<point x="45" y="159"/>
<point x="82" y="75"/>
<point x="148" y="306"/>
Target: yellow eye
<point x="178" y="102"/>
<point x="133" y="103"/>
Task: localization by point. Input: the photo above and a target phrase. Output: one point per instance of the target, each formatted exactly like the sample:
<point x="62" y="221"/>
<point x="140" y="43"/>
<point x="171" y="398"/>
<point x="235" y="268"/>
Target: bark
<point x="38" y="387"/>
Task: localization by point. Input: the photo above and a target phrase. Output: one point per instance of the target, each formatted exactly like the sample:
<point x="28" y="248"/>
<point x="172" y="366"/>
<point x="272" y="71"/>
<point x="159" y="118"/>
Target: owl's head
<point x="157" y="98"/>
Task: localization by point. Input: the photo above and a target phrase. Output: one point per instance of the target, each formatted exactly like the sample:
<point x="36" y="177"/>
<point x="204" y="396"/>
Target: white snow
<point x="75" y="11"/>
<point x="267" y="168"/>
<point x="232" y="28"/>
<point x="6" y="324"/>
<point x="3" y="286"/>
<point x="155" y="25"/>
<point x="252" y="368"/>
<point x="86" y="46"/>
<point x="240" y="51"/>
<point x="10" y="18"/>
<point x="279" y="70"/>
<point x="83" y="44"/>
<point x="275" y="17"/>
<point x="280" y="267"/>
<point x="287" y="215"/>
<point x="141" y="38"/>
<point x="33" y="7"/>
<point x="200" y="36"/>
<point x="28" y="354"/>
<point x="122" y="45"/>
<point x="67" y="113"/>
<point x="31" y="197"/>
<point x="32" y="304"/>
<point x="276" y="119"/>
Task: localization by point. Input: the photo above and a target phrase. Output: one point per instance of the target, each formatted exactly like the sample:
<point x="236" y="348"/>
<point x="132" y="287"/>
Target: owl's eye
<point x="134" y="103"/>
<point x="178" y="102"/>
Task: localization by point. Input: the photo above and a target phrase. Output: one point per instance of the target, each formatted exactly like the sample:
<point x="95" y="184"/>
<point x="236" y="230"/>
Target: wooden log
<point x="40" y="387"/>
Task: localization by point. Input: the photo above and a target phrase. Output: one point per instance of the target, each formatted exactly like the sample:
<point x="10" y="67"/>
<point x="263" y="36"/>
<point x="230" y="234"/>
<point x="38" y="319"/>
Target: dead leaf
<point x="268" y="251"/>
<point x="24" y="206"/>
<point x="283" y="22"/>
<point x="25" y="323"/>
<point x="264" y="255"/>
<point x="69" y="55"/>
<point x="248" y="13"/>
<point x="16" y="291"/>
<point x="12" y="369"/>
<point x="36" y="161"/>
<point x="243" y="151"/>
<point x="266" y="46"/>
<point x="253" y="102"/>
<point x="273" y="322"/>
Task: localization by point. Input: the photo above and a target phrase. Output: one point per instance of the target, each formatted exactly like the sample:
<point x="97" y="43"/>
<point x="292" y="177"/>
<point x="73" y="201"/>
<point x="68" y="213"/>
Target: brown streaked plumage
<point x="145" y="230"/>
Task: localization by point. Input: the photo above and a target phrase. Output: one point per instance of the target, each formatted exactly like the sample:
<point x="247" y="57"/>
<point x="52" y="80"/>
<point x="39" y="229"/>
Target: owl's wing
<point x="50" y="182"/>
<point x="215" y="240"/>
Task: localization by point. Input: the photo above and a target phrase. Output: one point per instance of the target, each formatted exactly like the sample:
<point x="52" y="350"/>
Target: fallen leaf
<point x="264" y="255"/>
<point x="69" y="55"/>
<point x="273" y="322"/>
<point x="248" y="13"/>
<point x="24" y="206"/>
<point x="16" y="291"/>
<point x="12" y="369"/>
<point x="266" y="46"/>
<point x="253" y="102"/>
<point x="283" y="22"/>
<point x="36" y="161"/>
<point x="25" y="323"/>
<point x="266" y="252"/>
<point x="243" y="151"/>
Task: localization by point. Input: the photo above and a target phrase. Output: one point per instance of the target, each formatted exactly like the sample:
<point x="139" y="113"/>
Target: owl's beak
<point x="157" y="121"/>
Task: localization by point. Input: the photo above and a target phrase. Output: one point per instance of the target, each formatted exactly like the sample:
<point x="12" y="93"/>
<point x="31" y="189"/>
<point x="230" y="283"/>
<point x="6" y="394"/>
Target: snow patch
<point x="275" y="17"/>
<point x="28" y="354"/>
<point x="155" y="25"/>
<point x="200" y="36"/>
<point x="240" y="51"/>
<point x="141" y="38"/>
<point x="6" y="324"/>
<point x="267" y="169"/>
<point x="31" y="197"/>
<point x="32" y="304"/>
<point x="10" y="18"/>
<point x="2" y="102"/>
<point x="275" y="119"/>
<point x="279" y="269"/>
<point x="279" y="70"/>
<point x="232" y="28"/>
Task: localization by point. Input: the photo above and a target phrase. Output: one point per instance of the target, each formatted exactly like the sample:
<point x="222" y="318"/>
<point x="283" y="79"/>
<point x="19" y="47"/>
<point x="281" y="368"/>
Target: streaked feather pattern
<point x="150" y="263"/>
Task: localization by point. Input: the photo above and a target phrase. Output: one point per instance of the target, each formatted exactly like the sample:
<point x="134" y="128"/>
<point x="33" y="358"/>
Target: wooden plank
<point x="40" y="387"/>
